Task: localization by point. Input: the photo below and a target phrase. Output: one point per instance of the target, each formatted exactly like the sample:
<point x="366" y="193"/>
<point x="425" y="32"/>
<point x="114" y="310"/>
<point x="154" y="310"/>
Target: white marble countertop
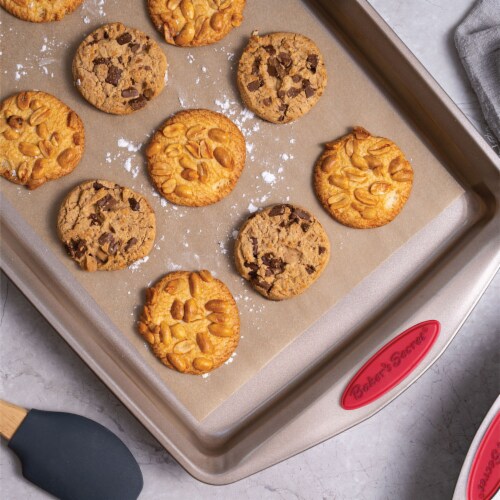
<point x="411" y="450"/>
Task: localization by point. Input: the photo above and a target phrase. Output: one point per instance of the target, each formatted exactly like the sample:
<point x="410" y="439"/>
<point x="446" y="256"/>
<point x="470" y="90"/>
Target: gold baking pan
<point x="281" y="392"/>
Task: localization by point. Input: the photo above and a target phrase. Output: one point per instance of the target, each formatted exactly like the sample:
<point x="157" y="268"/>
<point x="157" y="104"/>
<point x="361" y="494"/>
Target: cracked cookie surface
<point x="40" y="11"/>
<point x="363" y="181"/>
<point x="196" y="157"/>
<point x="119" y="69"/>
<point x="41" y="139"/>
<point x="104" y="226"/>
<point x="281" y="76"/>
<point x="281" y="251"/>
<point x="192" y="23"/>
<point x="191" y="321"/>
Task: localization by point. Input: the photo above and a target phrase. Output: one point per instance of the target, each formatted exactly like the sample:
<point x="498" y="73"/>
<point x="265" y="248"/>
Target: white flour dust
<point x="268" y="177"/>
<point x="132" y="163"/>
<point x="135" y="266"/>
<point x="45" y="60"/>
<point x="93" y="10"/>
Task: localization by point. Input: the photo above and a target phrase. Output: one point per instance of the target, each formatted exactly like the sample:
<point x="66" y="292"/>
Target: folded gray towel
<point x="478" y="43"/>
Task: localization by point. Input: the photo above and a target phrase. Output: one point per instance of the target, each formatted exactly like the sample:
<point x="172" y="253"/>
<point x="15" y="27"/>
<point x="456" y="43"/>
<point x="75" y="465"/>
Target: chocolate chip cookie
<point x="363" y="181"/>
<point x="104" y="226"/>
<point x="191" y="321"/>
<point x="41" y="138"/>
<point x="196" y="157"/>
<point x="119" y="69"/>
<point x="192" y="23"/>
<point x="282" y="251"/>
<point x="40" y="11"/>
<point x="281" y="76"/>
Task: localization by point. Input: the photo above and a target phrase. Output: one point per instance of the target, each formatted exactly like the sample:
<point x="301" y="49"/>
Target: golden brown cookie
<point x="196" y="157"/>
<point x="281" y="76"/>
<point x="191" y="321"/>
<point x="104" y="226"/>
<point x="192" y="23"/>
<point x="40" y="11"/>
<point x="363" y="181"/>
<point x="282" y="251"/>
<point x="41" y="138"/>
<point x="119" y="69"/>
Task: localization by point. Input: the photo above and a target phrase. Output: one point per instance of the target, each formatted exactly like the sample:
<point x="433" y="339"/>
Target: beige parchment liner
<point x="278" y="169"/>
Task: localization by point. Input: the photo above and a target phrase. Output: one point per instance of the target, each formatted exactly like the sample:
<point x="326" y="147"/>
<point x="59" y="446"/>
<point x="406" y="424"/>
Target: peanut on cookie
<point x="41" y="138"/>
<point x="192" y="23"/>
<point x="191" y="321"/>
<point x="40" y="11"/>
<point x="363" y="181"/>
<point x="196" y="157"/>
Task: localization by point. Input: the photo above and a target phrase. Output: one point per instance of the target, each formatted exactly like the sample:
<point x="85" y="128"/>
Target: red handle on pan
<point x="484" y="477"/>
<point x="390" y="365"/>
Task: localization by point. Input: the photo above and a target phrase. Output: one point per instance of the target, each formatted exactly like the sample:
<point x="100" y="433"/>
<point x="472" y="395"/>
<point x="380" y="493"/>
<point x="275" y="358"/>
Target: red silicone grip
<point x="484" y="477"/>
<point x="390" y="365"/>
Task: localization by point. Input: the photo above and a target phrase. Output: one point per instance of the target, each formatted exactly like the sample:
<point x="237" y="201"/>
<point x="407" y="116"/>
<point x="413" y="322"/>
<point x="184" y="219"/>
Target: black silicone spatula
<point x="70" y="456"/>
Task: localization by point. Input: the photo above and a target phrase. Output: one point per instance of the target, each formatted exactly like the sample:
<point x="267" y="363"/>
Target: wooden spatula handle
<point x="11" y="417"/>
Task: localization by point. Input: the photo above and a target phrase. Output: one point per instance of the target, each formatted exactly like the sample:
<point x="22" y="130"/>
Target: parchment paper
<point x="278" y="169"/>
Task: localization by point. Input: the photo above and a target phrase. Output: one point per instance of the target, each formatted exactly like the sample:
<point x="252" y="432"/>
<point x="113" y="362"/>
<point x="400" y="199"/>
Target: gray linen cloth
<point x="478" y="43"/>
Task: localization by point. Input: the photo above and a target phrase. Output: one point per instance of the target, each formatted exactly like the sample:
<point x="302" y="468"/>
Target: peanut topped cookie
<point x="41" y="138"/>
<point x="192" y="23"/>
<point x="282" y="251"/>
<point x="363" y="181"/>
<point x="191" y="321"/>
<point x="281" y="76"/>
<point x="104" y="226"/>
<point x="40" y="11"/>
<point x="119" y="69"/>
<point x="196" y="157"/>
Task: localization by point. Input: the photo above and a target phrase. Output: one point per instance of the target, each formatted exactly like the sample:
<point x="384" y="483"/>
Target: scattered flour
<point x="133" y="169"/>
<point x="133" y="147"/>
<point x="268" y="177"/>
<point x="223" y="249"/>
<point x="135" y="266"/>
<point x="20" y="71"/>
<point x="252" y="208"/>
<point x="92" y="9"/>
<point x="231" y="359"/>
<point x="245" y="120"/>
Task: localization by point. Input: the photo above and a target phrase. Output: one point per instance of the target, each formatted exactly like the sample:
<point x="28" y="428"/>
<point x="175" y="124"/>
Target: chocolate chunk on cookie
<point x="119" y="69"/>
<point x="40" y="11"/>
<point x="41" y="138"/>
<point x="281" y="76"/>
<point x="192" y="23"/>
<point x="104" y="226"/>
<point x="196" y="157"/>
<point x="363" y="181"/>
<point x="282" y="251"/>
<point x="191" y="321"/>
